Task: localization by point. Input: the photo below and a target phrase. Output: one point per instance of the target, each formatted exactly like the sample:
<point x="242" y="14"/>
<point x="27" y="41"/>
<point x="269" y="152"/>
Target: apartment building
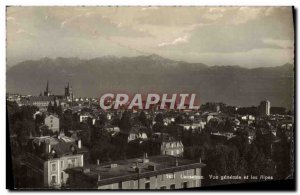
<point x="155" y="172"/>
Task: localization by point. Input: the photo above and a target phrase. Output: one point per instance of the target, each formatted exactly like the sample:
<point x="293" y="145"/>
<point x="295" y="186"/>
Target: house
<point x="168" y="145"/>
<point x="111" y="129"/>
<point x="168" y="120"/>
<point x="47" y="158"/>
<point x="52" y="122"/>
<point x="83" y="118"/>
<point x="41" y="102"/>
<point x="196" y="126"/>
<point x="133" y="135"/>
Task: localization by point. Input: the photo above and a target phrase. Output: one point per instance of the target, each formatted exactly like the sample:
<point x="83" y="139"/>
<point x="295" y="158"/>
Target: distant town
<point x="68" y="142"/>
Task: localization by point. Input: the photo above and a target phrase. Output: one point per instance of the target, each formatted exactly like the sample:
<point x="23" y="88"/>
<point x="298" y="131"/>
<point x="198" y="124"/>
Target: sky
<point x="245" y="36"/>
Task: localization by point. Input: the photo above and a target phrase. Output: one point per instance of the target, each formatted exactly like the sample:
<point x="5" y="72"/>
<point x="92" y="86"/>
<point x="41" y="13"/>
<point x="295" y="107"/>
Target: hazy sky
<point x="245" y="36"/>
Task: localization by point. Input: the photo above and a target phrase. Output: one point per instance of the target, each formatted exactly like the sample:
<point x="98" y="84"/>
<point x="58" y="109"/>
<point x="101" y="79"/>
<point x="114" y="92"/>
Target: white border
<point x="4" y="3"/>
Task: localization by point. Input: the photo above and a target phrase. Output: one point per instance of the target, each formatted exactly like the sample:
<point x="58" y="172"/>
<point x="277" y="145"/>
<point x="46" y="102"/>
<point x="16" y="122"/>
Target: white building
<point x="50" y="157"/>
<point x="52" y="122"/>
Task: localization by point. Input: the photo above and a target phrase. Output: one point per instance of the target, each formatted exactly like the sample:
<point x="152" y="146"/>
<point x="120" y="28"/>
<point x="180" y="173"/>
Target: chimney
<point x="200" y="160"/>
<point x="99" y="178"/>
<point x="49" y="148"/>
<point x="138" y="170"/>
<point x="176" y="162"/>
<point x="145" y="159"/>
<point x="152" y="167"/>
<point x="98" y="162"/>
<point x="79" y="143"/>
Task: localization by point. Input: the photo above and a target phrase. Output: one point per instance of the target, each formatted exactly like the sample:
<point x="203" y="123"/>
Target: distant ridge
<point x="233" y="85"/>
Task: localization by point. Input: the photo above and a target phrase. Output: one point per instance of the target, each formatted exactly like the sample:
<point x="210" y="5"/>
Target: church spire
<point x="47" y="87"/>
<point x="47" y="92"/>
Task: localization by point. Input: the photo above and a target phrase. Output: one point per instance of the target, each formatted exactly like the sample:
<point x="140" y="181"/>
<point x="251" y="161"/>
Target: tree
<point x="159" y="119"/>
<point x="143" y="119"/>
<point x="134" y="149"/>
<point x="50" y="107"/>
<point x="125" y="123"/>
<point x="46" y="131"/>
<point x="102" y="120"/>
<point x="179" y="120"/>
<point x="283" y="155"/>
<point x="59" y="111"/>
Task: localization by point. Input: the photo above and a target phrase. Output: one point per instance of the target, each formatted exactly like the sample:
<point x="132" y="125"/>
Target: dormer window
<point x="73" y="149"/>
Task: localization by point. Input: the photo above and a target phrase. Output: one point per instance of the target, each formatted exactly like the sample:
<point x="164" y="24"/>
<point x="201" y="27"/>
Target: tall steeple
<point x="47" y="87"/>
<point x="69" y="92"/>
<point x="47" y="92"/>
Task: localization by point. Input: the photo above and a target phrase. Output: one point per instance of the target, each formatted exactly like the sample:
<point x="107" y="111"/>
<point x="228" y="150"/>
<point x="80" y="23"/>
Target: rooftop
<point x="127" y="169"/>
<point x="62" y="145"/>
<point x="41" y="98"/>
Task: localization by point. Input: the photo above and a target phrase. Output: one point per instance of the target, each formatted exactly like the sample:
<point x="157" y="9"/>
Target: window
<point x="53" y="179"/>
<point x="172" y="186"/>
<point x="71" y="163"/>
<point x="173" y="176"/>
<point x="53" y="167"/>
<point x="132" y="184"/>
<point x="62" y="176"/>
<point x="163" y="187"/>
<point x="120" y="185"/>
<point x="163" y="177"/>
<point x="62" y="164"/>
<point x="185" y="172"/>
<point x="184" y="184"/>
<point x="147" y="185"/>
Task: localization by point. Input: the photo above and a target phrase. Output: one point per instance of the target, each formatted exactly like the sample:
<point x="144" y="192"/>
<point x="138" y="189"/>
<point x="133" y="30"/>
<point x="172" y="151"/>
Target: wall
<point x="52" y="122"/>
<point x="61" y="164"/>
<point x="159" y="181"/>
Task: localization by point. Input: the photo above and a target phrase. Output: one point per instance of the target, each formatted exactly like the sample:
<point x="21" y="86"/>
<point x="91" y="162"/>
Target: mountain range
<point x="233" y="85"/>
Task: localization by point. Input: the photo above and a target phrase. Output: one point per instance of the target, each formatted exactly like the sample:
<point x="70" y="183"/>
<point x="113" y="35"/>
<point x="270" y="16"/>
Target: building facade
<point x="156" y="172"/>
<point x="168" y="145"/>
<point x="48" y="158"/>
<point x="172" y="147"/>
<point x="41" y="102"/>
<point x="52" y="122"/>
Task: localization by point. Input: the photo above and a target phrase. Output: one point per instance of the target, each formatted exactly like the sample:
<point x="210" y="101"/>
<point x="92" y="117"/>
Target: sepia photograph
<point x="150" y="97"/>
